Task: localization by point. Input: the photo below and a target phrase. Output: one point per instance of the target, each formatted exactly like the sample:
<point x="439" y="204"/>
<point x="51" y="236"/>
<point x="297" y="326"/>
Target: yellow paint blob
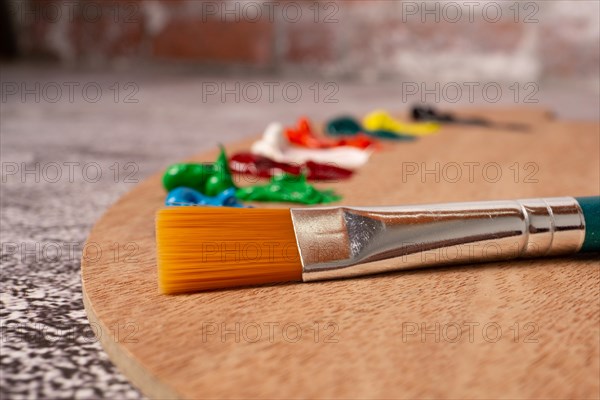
<point x="383" y="121"/>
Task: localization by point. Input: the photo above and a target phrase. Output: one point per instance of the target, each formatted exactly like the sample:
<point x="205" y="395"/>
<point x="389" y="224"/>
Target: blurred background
<point x="108" y="92"/>
<point x="362" y="39"/>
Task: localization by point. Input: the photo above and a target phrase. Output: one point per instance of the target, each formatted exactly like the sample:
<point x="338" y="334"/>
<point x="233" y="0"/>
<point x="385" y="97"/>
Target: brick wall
<point x="365" y="39"/>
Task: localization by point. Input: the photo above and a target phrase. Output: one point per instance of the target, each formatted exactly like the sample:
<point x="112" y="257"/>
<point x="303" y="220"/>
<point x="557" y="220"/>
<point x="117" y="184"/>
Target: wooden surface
<point x="526" y="329"/>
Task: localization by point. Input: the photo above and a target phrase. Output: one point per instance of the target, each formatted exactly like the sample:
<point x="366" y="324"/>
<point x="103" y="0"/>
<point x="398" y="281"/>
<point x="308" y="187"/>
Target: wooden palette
<point x="526" y="329"/>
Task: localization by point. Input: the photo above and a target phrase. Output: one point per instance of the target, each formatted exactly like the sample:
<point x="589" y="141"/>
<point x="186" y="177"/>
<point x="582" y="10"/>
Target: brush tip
<point x="204" y="248"/>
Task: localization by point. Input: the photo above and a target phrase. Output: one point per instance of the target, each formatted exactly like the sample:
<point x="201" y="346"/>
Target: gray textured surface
<point x="47" y="348"/>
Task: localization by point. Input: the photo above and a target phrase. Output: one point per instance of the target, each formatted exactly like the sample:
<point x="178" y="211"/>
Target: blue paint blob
<point x="184" y="196"/>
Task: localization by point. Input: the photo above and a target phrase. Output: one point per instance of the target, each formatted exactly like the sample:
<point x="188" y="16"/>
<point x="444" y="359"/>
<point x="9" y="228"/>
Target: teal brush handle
<point x="591" y="214"/>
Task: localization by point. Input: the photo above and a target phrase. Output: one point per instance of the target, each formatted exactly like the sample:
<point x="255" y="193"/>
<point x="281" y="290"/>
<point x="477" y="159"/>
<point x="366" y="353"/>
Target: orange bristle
<point x="203" y="248"/>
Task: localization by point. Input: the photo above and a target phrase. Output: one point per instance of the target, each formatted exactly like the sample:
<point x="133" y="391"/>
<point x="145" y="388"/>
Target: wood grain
<point x="526" y="329"/>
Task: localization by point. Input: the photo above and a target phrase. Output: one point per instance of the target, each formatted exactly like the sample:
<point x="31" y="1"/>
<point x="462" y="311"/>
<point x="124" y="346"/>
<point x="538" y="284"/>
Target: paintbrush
<point x="203" y="248"/>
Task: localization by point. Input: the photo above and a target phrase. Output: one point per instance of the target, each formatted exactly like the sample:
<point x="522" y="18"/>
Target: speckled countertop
<point x="73" y="142"/>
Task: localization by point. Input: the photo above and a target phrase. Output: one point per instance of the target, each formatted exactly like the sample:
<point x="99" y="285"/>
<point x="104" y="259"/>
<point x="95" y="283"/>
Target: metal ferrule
<point x="340" y="242"/>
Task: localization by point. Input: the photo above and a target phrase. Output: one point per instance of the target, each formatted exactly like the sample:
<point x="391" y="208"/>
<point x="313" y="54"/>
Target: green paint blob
<point x="220" y="179"/>
<point x="289" y="189"/>
<point x="208" y="179"/>
<point x="191" y="175"/>
<point x="343" y="126"/>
